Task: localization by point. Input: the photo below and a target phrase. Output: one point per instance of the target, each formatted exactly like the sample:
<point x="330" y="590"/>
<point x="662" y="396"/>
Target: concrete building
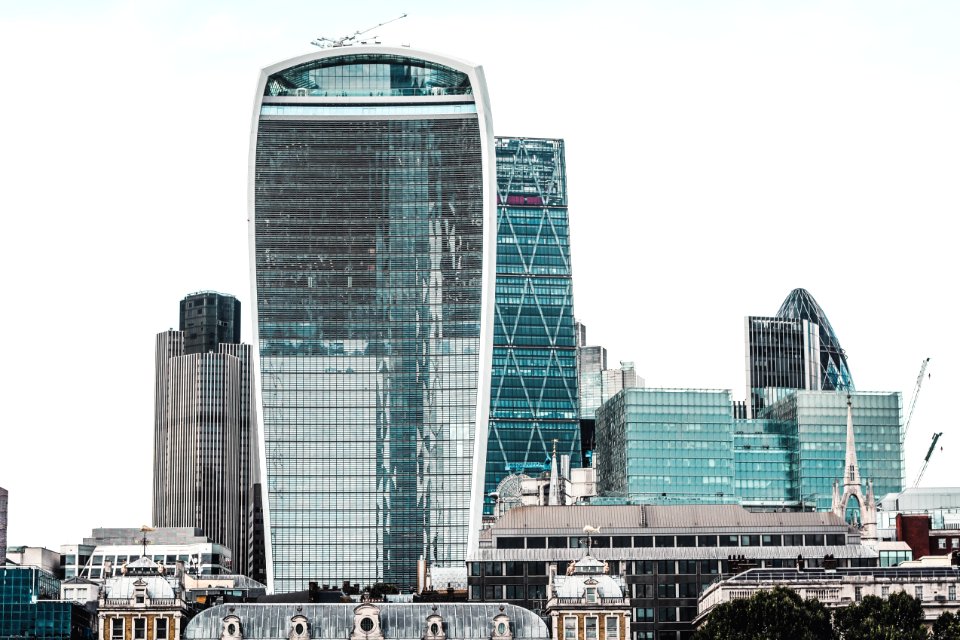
<point x="367" y="621"/>
<point x="203" y="421"/>
<point x="666" y="554"/>
<point x="940" y="504"/>
<point x="40" y="557"/>
<point x="372" y="218"/>
<point x="934" y="586"/>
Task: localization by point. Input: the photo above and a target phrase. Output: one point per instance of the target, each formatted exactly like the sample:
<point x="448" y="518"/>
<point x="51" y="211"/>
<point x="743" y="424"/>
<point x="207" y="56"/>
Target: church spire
<point x="853" y="487"/>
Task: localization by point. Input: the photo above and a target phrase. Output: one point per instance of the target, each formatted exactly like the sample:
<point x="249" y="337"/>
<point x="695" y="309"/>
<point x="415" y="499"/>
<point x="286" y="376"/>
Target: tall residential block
<point x="373" y="243"/>
<point x="533" y="403"/>
<point x="203" y="441"/>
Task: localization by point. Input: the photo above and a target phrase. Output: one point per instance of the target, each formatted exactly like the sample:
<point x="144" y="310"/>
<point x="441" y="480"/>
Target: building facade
<point x="30" y="607"/>
<point x="934" y="587"/>
<point x="142" y="604"/>
<point x="821" y="420"/>
<point x="373" y="242"/>
<point x="3" y="525"/>
<point x="207" y="320"/>
<point x="666" y="555"/>
<point x="588" y="603"/>
<point x="533" y="397"/>
<point x="834" y="370"/>
<point x="782" y="354"/>
<point x="203" y="425"/>
<point x="666" y="445"/>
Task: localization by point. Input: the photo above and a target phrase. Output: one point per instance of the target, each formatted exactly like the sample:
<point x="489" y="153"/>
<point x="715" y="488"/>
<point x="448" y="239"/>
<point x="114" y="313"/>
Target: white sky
<point x="719" y="154"/>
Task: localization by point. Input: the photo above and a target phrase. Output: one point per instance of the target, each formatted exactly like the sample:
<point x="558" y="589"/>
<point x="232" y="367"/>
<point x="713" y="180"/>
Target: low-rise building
<point x="144" y="603"/>
<point x="588" y="602"/>
<point x="30" y="607"/>
<point x="933" y="584"/>
<point x="666" y="555"/>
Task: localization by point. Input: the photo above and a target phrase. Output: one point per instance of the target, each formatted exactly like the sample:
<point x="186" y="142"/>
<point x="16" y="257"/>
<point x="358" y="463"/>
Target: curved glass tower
<point x="834" y="371"/>
<point x="372" y="227"/>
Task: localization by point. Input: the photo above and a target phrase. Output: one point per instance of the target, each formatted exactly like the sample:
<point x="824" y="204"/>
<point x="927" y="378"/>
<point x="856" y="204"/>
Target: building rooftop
<point x="611" y="519"/>
<point x="463" y="621"/>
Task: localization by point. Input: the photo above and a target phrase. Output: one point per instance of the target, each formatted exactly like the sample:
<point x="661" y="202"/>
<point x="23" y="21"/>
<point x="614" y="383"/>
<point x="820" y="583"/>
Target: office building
<point x="672" y="445"/>
<point x="938" y="506"/>
<point x="367" y="621"/>
<point x="373" y="229"/>
<point x="834" y="370"/>
<point x="44" y="559"/>
<point x="934" y="586"/>
<point x="820" y="419"/>
<point x="796" y="349"/>
<point x="30" y="607"/>
<point x="533" y="392"/>
<point x="666" y="555"/>
<point x="766" y="463"/>
<point x="597" y="384"/>
<point x="203" y="421"/>
<point x="3" y="525"/>
<point x="207" y="320"/>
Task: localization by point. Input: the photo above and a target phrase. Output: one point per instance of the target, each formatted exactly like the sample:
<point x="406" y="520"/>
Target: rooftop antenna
<point x="324" y="42"/>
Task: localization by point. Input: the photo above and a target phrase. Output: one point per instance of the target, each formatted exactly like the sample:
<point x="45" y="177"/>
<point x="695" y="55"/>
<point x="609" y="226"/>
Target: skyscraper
<point x="208" y="319"/>
<point x="202" y="427"/>
<point x="3" y="526"/>
<point x="534" y="385"/>
<point x="372" y="227"/>
<point x="796" y="349"/>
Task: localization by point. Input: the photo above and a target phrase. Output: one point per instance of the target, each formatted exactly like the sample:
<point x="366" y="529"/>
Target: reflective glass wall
<point x="369" y="253"/>
<point x="533" y="399"/>
<point x="765" y="456"/>
<point x="821" y="419"/>
<point x="671" y="445"/>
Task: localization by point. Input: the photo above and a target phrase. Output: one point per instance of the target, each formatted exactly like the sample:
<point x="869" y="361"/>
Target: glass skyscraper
<point x="533" y="398"/>
<point x="372" y="225"/>
<point x="834" y="371"/>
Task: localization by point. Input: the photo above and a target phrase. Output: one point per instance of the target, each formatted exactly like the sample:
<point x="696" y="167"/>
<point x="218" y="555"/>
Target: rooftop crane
<point x="916" y="393"/>
<point x="324" y="42"/>
<point x="926" y="460"/>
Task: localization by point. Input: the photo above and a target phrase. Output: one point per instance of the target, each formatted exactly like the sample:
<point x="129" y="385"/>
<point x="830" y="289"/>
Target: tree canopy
<point x="899" y="617"/>
<point x="780" y="614"/>
<point x="946" y="627"/>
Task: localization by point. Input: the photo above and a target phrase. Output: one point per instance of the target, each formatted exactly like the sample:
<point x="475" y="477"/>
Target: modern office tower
<point x="208" y="319"/>
<point x="796" y="349"/>
<point x="671" y="445"/>
<point x="373" y="239"/>
<point x="782" y="355"/>
<point x="821" y="417"/>
<point x="533" y="393"/>
<point x="3" y="526"/>
<point x="834" y="371"/>
<point x="203" y="431"/>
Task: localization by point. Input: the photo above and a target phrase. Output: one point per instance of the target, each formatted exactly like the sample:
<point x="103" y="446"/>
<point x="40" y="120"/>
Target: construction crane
<point x="926" y="460"/>
<point x="916" y="393"/>
<point x="323" y="42"/>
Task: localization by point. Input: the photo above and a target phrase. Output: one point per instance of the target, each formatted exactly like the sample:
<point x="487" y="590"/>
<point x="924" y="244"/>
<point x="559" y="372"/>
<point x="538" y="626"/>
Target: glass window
<point x="686" y="566"/>
<point x="536" y="592"/>
<point x="98" y="561"/>
<point x="941" y="543"/>
<point x="750" y="541"/>
<point x="643" y="567"/>
<point x="771" y="540"/>
<point x="686" y="541"/>
<point x="665" y="541"/>
<point x="160" y="626"/>
<point x="815" y="540"/>
<point x="836" y="539"/>
<point x="711" y="567"/>
<point x="792" y="540"/>
<point x="667" y="614"/>
<point x="858" y="593"/>
<point x="612" y="628"/>
<point x="956" y="543"/>
<point x="667" y="590"/>
<point x="706" y="541"/>
<point x="509" y="542"/>
<point x="536" y="568"/>
<point x="884" y="591"/>
<point x="514" y="568"/>
<point x="474" y="568"/>
<point x="621" y="542"/>
<point x="918" y="592"/>
<point x="492" y="592"/>
<point x="536" y="542"/>
<point x="493" y="568"/>
<point x="642" y="541"/>
<point x="515" y="592"/>
<point x="116" y="629"/>
<point x="952" y="592"/>
<point x="590" y="628"/>
<point x="729" y="541"/>
<point x="139" y="629"/>
<point x="591" y="594"/>
<point x="665" y="567"/>
<point x="569" y="628"/>
<point x="643" y="614"/>
<point x="555" y="542"/>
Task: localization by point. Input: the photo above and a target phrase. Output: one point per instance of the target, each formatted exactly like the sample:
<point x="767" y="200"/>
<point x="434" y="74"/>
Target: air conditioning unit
<point x="301" y="91"/>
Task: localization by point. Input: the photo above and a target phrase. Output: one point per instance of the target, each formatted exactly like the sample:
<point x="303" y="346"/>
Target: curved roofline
<point x="454" y="63"/>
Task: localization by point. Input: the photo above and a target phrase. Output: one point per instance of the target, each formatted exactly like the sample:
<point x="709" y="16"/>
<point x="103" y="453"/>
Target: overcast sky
<point x="719" y="154"/>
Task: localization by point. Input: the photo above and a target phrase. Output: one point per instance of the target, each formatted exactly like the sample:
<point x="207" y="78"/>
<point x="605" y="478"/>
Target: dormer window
<point x="434" y="630"/>
<point x="299" y="628"/>
<point x="366" y="623"/>
<point x="231" y="628"/>
<point x="501" y="627"/>
<point x="591" y="594"/>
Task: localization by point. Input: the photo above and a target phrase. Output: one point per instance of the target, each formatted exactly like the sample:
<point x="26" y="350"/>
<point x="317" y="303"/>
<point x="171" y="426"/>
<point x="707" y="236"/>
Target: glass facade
<point x="782" y="355"/>
<point x="28" y="607"/>
<point x="368" y="236"/>
<point x="533" y="400"/>
<point x="666" y="445"/>
<point x="765" y="456"/>
<point x="821" y="422"/>
<point x="834" y="371"/>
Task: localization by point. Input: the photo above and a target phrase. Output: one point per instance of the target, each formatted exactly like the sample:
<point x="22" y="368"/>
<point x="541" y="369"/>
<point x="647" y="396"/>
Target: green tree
<point x="780" y="614"/>
<point x="946" y="627"/>
<point x="899" y="617"/>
